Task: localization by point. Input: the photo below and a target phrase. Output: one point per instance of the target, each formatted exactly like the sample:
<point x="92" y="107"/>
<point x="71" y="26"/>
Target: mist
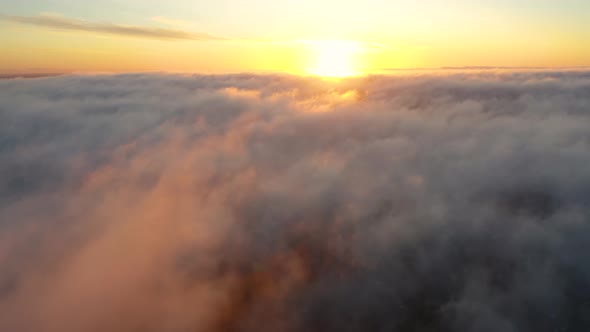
<point x="430" y="202"/>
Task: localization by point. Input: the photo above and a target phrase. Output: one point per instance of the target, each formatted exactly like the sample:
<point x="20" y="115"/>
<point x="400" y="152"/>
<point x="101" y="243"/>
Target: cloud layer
<point x="64" y="23"/>
<point x="275" y="203"/>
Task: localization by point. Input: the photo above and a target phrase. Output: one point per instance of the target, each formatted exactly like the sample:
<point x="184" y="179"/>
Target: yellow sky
<point x="55" y="42"/>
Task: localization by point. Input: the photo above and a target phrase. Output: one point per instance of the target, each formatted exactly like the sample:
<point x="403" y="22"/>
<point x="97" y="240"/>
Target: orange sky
<point x="50" y="36"/>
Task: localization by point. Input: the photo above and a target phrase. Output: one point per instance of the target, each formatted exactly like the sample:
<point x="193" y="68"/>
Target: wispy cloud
<point x="54" y="21"/>
<point x="483" y="68"/>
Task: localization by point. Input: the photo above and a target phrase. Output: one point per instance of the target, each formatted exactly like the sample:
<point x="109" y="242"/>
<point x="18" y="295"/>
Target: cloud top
<point x="277" y="203"/>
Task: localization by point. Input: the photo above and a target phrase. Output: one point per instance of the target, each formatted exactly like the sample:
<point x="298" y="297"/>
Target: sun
<point x="334" y="58"/>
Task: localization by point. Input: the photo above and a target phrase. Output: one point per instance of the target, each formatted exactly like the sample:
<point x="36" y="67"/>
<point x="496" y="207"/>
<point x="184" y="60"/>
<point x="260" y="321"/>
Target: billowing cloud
<point x="60" y="22"/>
<point x="278" y="203"/>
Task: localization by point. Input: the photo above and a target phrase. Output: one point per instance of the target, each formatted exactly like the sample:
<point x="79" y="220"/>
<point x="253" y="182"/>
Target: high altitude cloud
<point x="276" y="203"/>
<point x="64" y="23"/>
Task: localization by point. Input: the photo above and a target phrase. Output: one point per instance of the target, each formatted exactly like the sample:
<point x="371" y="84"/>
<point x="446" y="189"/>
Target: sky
<point x="330" y="37"/>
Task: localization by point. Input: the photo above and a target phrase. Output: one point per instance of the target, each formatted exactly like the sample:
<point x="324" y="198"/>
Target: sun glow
<point x="335" y="58"/>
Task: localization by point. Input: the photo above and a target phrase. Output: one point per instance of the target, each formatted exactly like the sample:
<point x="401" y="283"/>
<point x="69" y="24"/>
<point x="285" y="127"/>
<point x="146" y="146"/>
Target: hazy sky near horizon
<point x="272" y="35"/>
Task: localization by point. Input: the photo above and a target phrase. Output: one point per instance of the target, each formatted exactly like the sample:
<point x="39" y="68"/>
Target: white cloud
<point x="272" y="203"/>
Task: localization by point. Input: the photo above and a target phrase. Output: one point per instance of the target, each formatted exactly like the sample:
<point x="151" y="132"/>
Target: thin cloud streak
<point x="72" y="24"/>
<point x="483" y="68"/>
